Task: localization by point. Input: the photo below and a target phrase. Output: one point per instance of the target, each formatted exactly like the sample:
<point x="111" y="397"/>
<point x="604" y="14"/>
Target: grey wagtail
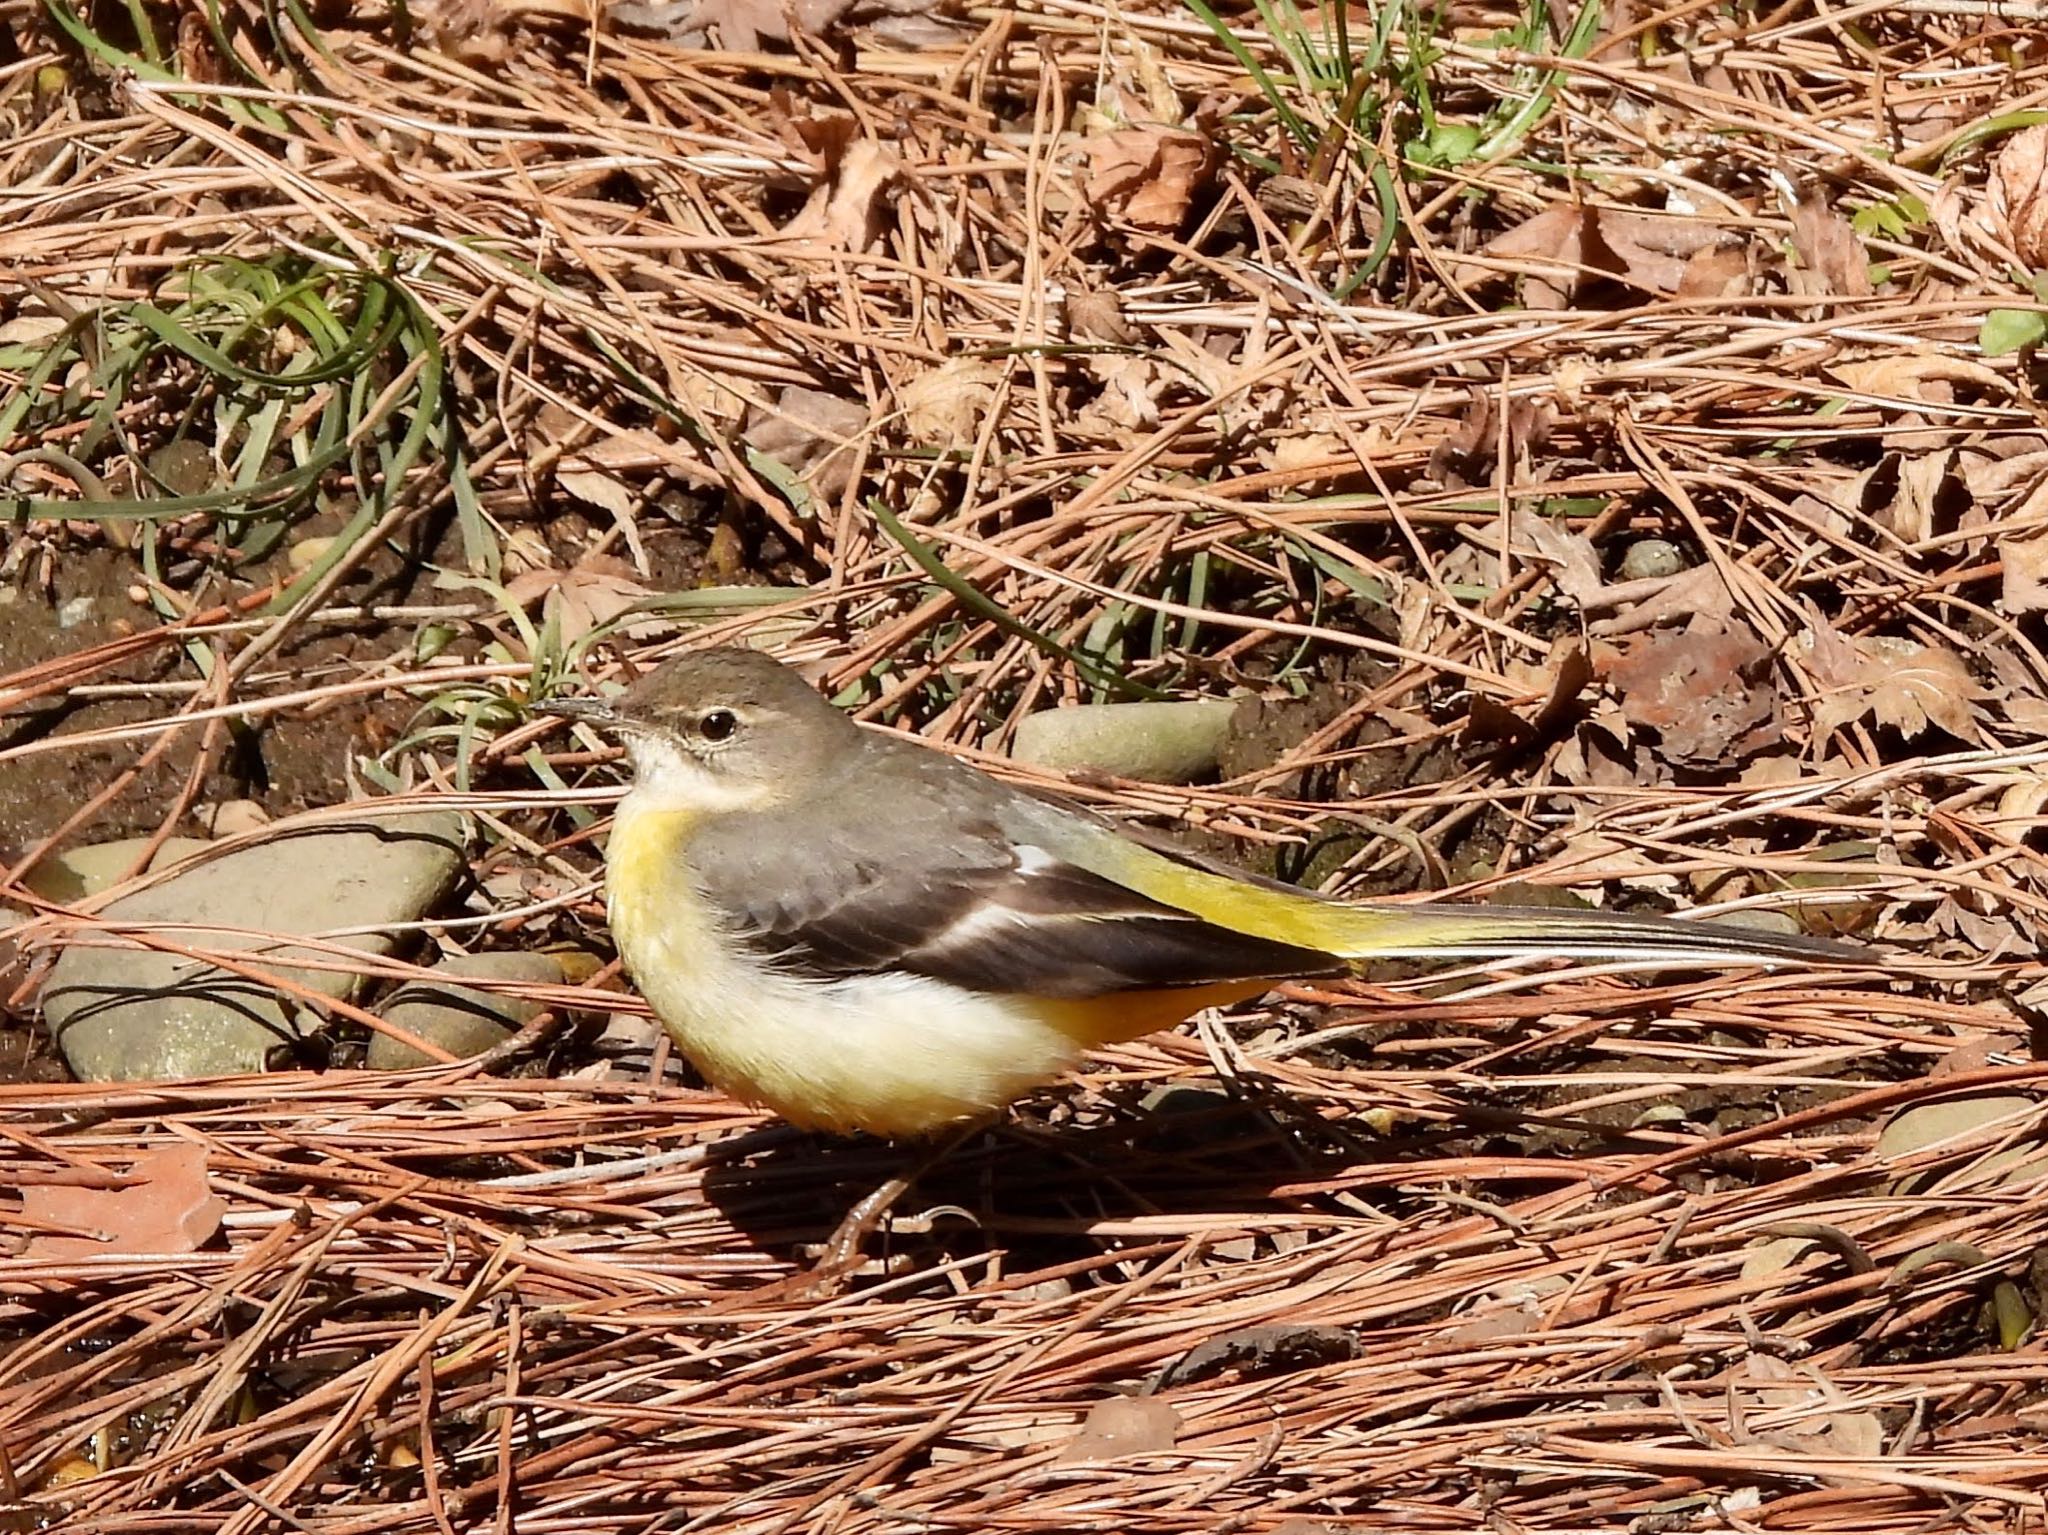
<point x="862" y="934"/>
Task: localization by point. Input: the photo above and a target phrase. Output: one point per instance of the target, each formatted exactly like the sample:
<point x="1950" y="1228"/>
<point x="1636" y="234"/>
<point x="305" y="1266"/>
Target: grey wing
<point x="937" y="887"/>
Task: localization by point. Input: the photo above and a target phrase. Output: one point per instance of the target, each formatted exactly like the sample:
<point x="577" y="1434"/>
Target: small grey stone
<point x="74" y="611"/>
<point x="78" y="872"/>
<point x="126" y="1013"/>
<point x="184" y="466"/>
<point x="1648" y="557"/>
<point x="1155" y="742"/>
<point x="460" y="1019"/>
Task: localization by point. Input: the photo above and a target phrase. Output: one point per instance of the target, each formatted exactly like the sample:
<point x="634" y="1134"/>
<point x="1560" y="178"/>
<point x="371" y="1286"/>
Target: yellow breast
<point x="899" y="1055"/>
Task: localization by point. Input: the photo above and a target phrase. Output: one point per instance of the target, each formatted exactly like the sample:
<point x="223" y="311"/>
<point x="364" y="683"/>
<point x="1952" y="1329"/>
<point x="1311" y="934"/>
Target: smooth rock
<point x="460" y="1019"/>
<point x="308" y="552"/>
<point x="1648" y="557"/>
<point x="1155" y="742"/>
<point x="124" y="1013"/>
<point x="230" y="818"/>
<point x="78" y="872"/>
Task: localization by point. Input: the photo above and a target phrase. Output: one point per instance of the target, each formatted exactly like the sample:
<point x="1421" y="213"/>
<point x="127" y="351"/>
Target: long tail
<point x="1358" y="931"/>
<point x="1380" y="931"/>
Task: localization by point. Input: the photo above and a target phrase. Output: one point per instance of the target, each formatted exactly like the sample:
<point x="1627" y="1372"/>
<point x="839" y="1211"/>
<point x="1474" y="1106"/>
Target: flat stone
<point x="127" y="1013"/>
<point x="78" y="872"/>
<point x="460" y="1019"/>
<point x="1153" y="742"/>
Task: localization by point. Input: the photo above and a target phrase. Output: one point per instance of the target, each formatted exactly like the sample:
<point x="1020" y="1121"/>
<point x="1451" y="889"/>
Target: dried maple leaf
<point x="166" y="1207"/>
<point x="1707" y="694"/>
<point x="1148" y="174"/>
<point x="1897" y="682"/>
<point x="2019" y="194"/>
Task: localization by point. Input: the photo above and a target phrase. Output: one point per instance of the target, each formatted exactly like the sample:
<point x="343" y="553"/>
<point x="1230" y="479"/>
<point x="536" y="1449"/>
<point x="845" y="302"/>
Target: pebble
<point x="232" y="817"/>
<point x="78" y="872"/>
<point x="124" y="1014"/>
<point x="73" y="611"/>
<point x="1152" y="742"/>
<point x="1649" y="557"/>
<point x="308" y="552"/>
<point x="460" y="1019"/>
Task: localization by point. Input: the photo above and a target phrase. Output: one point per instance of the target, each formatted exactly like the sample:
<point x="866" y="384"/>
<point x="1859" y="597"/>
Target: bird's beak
<point x="592" y="711"/>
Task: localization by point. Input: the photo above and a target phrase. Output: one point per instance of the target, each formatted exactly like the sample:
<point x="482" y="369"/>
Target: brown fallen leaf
<point x="1724" y="271"/>
<point x="2023" y="565"/>
<point x="1656" y="250"/>
<point x="1708" y="694"/>
<point x="1697" y="598"/>
<point x="1896" y="682"/>
<point x="1558" y="251"/>
<point x="1832" y="260"/>
<point x="1560" y="679"/>
<point x="593" y="591"/>
<point x="1797" y="1408"/>
<point x="813" y="433"/>
<point x="740" y="26"/>
<point x="1990" y="936"/>
<point x="847" y="211"/>
<point x="1147" y="174"/>
<point x="1928" y="493"/>
<point x="948" y="403"/>
<point x="1471" y="454"/>
<point x="1303" y="453"/>
<point x="166" y="1207"/>
<point x="1096" y="314"/>
<point x="1922" y="377"/>
<point x="1129" y="398"/>
<point x="2001" y="465"/>
<point x="1574" y="562"/>
<point x="1120" y="1426"/>
<point x="2019" y="194"/>
<point x="1552" y="253"/>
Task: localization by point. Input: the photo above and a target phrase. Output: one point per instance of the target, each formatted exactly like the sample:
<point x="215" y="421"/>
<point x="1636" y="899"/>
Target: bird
<point x="861" y="933"/>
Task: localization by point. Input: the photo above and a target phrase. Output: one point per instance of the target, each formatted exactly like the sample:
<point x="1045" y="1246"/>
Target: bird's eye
<point x="718" y="724"/>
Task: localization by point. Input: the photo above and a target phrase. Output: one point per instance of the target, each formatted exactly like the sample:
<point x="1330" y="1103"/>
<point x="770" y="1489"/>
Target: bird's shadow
<point x="1046" y="1193"/>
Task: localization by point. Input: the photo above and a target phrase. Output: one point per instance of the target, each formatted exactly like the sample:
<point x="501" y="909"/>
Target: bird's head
<point x="718" y="730"/>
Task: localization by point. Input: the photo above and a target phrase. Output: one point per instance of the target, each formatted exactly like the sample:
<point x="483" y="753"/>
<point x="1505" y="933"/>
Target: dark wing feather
<point x="890" y="890"/>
